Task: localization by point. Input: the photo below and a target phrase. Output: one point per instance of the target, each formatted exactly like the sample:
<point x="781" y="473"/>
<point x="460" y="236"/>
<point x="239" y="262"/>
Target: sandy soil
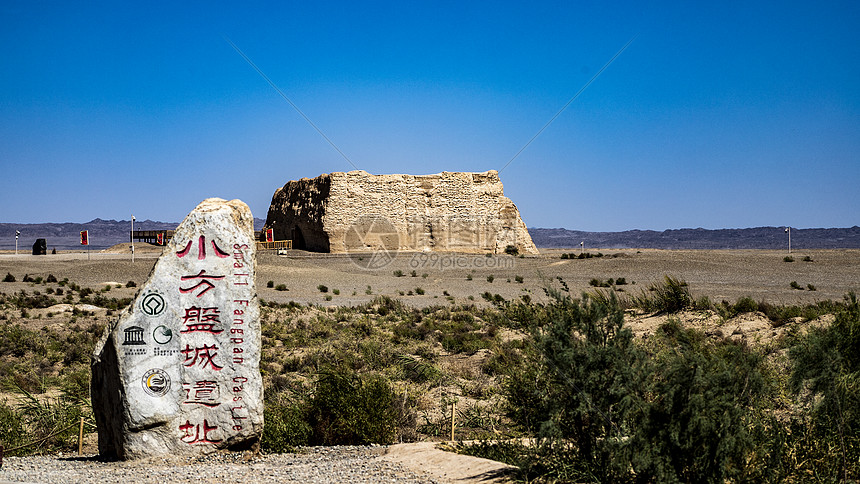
<point x="718" y="274"/>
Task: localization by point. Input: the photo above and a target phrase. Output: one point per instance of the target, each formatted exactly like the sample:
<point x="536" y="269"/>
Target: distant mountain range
<point x="752" y="238"/>
<point x="66" y="236"/>
<point x="106" y="233"/>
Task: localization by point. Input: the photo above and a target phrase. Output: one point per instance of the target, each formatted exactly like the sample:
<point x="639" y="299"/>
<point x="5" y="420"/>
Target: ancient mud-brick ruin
<point x="450" y="211"/>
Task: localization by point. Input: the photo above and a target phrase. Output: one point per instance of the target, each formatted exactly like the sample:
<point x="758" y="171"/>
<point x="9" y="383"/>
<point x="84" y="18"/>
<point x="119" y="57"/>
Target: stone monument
<point x="178" y="372"/>
<point x="448" y="211"/>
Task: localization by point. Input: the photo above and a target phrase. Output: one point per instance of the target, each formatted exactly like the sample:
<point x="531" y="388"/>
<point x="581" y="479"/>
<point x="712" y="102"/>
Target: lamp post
<point x="17" y="233"/>
<point x="132" y="239"/>
<point x="788" y="231"/>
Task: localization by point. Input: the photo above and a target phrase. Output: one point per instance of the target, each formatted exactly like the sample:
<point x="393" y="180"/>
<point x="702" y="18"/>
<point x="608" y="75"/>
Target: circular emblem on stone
<point x="152" y="304"/>
<point x="372" y="242"/>
<point x="156" y="382"/>
<point x="162" y="335"/>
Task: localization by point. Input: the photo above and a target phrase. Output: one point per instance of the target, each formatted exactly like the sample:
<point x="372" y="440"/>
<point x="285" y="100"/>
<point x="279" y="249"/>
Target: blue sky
<point x="718" y="115"/>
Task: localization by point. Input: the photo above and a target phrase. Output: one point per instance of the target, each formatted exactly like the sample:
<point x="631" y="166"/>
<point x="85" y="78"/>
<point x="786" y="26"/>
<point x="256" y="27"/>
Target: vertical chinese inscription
<point x="216" y="293"/>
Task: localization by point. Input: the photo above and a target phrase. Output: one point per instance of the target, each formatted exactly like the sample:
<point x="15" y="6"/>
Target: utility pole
<point x="788" y="231"/>
<point x="17" y="233"/>
<point x="132" y="239"/>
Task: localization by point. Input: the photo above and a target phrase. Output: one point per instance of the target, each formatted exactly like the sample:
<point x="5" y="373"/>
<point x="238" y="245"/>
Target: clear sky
<point x="718" y="115"/>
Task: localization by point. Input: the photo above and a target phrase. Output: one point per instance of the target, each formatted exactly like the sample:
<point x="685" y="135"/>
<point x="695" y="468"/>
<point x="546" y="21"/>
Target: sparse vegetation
<point x="583" y="255"/>
<point x="788" y="258"/>
<point x="671" y="296"/>
<point x="759" y="411"/>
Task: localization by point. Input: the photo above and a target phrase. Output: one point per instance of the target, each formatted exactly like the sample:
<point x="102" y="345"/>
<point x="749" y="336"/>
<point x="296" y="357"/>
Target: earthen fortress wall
<point x="450" y="211"/>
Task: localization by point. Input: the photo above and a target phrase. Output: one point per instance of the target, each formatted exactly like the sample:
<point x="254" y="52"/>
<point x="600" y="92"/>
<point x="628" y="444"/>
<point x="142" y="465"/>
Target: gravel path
<point x="317" y="465"/>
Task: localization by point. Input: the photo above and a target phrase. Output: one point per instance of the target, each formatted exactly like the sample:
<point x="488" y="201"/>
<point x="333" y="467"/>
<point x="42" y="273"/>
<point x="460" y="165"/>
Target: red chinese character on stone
<point x="204" y="282"/>
<point x="203" y="392"/>
<point x="201" y="249"/>
<point x="191" y="433"/>
<point x="202" y="356"/>
<point x="201" y="320"/>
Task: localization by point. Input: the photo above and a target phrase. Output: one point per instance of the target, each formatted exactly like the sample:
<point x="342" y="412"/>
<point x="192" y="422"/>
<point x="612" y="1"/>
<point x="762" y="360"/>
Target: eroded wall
<point x="449" y="211"/>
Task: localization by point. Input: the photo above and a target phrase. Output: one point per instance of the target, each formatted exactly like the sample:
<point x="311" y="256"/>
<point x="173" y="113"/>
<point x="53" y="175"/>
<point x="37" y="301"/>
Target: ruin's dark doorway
<point x="298" y="238"/>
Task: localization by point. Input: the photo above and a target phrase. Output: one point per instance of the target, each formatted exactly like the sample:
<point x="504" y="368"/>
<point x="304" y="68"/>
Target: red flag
<point x="160" y="238"/>
<point x="270" y="235"/>
<point x="85" y="237"/>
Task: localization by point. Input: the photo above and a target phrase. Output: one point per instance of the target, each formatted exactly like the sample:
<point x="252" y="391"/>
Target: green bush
<point x="398" y="273"/>
<point x="322" y="288"/>
<point x="511" y="250"/>
<point x="745" y="304"/>
<point x="826" y="374"/>
<point x="9" y="277"/>
<point x="795" y="285"/>
<point x="693" y="427"/>
<point x="788" y="258"/>
<point x="671" y="296"/>
<point x="576" y="388"/>
<point x="270" y="284"/>
<point x="281" y="287"/>
<point x="286" y="426"/>
<point x="12" y="428"/>
<point x="351" y="409"/>
<point x="604" y="410"/>
<point x="490" y="278"/>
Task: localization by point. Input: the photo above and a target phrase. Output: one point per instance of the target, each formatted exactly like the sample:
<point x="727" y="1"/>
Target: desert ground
<point x="445" y="278"/>
<point x="422" y="280"/>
